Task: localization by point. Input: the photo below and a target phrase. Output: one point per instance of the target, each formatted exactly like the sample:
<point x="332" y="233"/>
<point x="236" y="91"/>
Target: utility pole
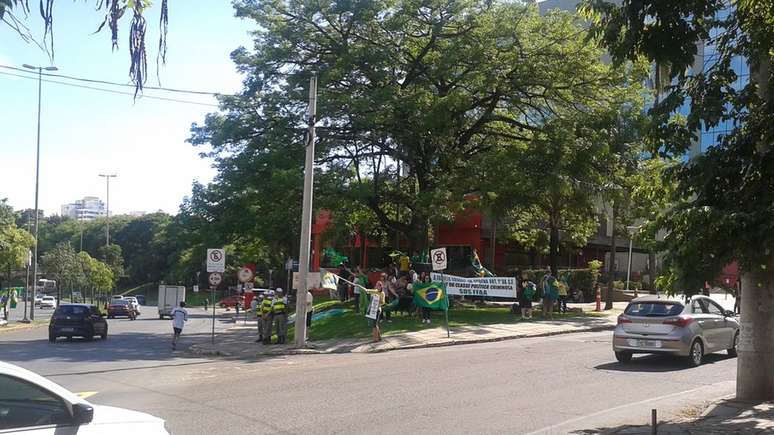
<point x="107" y="226"/>
<point x="306" y="218"/>
<point x="37" y="180"/>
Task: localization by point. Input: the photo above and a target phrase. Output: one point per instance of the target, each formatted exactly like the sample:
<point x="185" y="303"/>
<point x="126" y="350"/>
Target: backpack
<point x="529" y="290"/>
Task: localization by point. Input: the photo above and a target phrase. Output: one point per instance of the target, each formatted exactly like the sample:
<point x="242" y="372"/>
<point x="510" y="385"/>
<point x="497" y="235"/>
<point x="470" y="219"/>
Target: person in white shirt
<point x="179" y="317"/>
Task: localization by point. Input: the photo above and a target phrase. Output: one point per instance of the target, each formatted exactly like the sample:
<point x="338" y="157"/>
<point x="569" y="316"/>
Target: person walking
<point x="266" y="317"/>
<point x="280" y="315"/>
<point x="527" y="291"/>
<point x="179" y="317"/>
<point x="377" y="293"/>
<point x="206" y="303"/>
<point x="550" y="294"/>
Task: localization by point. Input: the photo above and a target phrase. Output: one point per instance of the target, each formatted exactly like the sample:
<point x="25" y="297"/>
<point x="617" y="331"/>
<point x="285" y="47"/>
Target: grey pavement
<point x="542" y="385"/>
<point x="239" y="341"/>
<point x="725" y="416"/>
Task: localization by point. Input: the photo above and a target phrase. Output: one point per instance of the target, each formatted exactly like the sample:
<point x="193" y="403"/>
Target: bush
<point x="633" y="285"/>
<point x="581" y="279"/>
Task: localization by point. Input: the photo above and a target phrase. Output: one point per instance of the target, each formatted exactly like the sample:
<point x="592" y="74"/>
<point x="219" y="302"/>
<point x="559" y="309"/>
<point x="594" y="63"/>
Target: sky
<point x="85" y="133"/>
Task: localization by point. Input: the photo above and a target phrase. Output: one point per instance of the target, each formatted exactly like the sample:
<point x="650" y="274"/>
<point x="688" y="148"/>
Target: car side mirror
<point x="82" y="413"/>
<point x="729" y="313"/>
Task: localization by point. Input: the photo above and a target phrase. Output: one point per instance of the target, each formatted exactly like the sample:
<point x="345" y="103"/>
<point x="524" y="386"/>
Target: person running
<point x="179" y="317"/>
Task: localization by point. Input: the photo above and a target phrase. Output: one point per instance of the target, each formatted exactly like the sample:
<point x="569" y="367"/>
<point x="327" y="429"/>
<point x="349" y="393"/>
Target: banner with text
<point x="493" y="287"/>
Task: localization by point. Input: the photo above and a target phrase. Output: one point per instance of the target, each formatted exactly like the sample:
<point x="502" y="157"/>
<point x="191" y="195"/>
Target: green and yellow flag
<point x="430" y="295"/>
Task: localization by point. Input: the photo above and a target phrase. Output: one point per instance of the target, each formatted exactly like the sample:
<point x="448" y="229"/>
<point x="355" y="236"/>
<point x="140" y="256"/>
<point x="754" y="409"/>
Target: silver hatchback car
<point x="652" y="324"/>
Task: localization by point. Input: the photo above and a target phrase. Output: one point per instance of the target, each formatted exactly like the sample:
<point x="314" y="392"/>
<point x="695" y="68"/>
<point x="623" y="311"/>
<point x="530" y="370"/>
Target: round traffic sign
<point x="245" y="274"/>
<point x="439" y="257"/>
<point x="215" y="278"/>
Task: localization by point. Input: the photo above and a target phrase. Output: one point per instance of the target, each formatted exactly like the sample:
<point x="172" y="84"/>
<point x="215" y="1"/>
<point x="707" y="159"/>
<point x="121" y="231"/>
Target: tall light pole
<point x="37" y="181"/>
<point x="107" y="226"/>
<point x="306" y="219"/>
<point x="631" y="229"/>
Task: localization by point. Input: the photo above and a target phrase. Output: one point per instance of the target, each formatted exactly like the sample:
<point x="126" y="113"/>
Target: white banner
<point x="312" y="280"/>
<point x="493" y="287"/>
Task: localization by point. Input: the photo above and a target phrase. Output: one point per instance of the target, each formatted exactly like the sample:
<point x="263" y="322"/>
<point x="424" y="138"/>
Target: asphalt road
<point x="556" y="385"/>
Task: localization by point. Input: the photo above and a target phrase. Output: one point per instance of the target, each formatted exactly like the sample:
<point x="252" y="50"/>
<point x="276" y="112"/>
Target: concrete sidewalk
<point x="239" y="341"/>
<point x="726" y="416"/>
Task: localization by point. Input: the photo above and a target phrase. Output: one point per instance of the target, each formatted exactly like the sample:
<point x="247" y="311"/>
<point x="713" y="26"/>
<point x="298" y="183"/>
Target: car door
<point x="704" y="320"/>
<point x="31" y="410"/>
<point x="98" y="321"/>
<point x="723" y="330"/>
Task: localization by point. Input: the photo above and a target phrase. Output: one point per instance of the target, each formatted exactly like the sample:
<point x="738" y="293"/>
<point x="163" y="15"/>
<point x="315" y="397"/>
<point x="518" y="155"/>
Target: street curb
<point x="194" y="349"/>
<point x="18" y="326"/>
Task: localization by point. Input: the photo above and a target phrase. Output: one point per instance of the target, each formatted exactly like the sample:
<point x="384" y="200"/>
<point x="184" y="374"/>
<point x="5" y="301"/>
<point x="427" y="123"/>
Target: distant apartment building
<point x="86" y="209"/>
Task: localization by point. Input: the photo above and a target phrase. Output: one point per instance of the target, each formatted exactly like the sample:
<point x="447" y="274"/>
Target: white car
<point x="48" y="302"/>
<point x="38" y="299"/>
<point x="116" y="298"/>
<point x="32" y="405"/>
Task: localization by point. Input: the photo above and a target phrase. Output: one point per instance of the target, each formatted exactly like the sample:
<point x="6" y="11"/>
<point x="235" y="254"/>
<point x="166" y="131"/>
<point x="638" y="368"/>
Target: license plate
<point x="645" y="343"/>
<point x="68" y="329"/>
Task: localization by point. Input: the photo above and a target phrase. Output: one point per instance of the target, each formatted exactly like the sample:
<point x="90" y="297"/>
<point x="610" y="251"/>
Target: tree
<point x="724" y="199"/>
<point x="61" y="264"/>
<point x="421" y="87"/>
<point x="10" y="11"/>
<point x="112" y="254"/>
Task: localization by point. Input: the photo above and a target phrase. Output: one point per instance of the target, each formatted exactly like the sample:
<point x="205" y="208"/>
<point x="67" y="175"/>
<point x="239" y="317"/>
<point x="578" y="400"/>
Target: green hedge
<point x="576" y="278"/>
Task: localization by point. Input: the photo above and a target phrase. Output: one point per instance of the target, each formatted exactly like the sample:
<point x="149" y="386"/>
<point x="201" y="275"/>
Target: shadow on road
<point x="727" y="417"/>
<point x="658" y="363"/>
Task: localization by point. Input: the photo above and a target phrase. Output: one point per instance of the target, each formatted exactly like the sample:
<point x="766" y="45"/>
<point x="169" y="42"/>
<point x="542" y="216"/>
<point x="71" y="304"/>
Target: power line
<point x="126" y="85"/>
<point x="111" y="91"/>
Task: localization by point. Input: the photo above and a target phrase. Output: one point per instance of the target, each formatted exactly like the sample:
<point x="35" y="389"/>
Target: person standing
<point x="550" y="294"/>
<point x="266" y="317"/>
<point x="377" y="293"/>
<point x="309" y="310"/>
<point x="362" y="281"/>
<point x="206" y="303"/>
<point x="527" y="293"/>
<point x="343" y="285"/>
<point x="255" y="307"/>
<point x="179" y="317"/>
<point x="561" y="287"/>
<point x="280" y="315"/>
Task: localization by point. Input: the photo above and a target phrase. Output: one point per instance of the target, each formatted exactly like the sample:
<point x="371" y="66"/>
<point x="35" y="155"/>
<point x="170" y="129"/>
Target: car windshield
<point x="654" y="309"/>
<point x="72" y="310"/>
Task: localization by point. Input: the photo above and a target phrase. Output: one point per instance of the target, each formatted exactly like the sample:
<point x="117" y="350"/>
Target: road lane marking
<point x="86" y="394"/>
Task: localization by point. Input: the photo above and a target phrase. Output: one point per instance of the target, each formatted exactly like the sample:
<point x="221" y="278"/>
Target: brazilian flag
<point x="430" y="295"/>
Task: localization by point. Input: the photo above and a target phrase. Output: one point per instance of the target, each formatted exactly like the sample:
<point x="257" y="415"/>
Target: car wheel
<point x="732" y="352"/>
<point x="623" y="357"/>
<point x="696" y="355"/>
<point x="51" y="338"/>
<point x="104" y="335"/>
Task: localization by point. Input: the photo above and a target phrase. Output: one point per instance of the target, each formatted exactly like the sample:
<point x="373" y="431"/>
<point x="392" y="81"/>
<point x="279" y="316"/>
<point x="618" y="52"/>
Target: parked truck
<point x="170" y="297"/>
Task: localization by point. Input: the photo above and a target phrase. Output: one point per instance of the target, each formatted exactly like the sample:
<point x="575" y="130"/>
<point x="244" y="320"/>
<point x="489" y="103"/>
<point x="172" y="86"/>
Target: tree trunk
<point x="652" y="270"/>
<point x="611" y="266"/>
<point x="553" y="247"/>
<point x="754" y="375"/>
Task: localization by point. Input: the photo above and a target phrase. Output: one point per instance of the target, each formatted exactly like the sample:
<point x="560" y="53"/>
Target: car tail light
<point x="623" y="319"/>
<point x="680" y="322"/>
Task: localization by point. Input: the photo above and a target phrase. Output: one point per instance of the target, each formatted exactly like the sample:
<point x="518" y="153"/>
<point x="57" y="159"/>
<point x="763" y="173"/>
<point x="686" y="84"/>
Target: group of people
<point x="271" y="309"/>
<point x="554" y="293"/>
<point x="393" y="289"/>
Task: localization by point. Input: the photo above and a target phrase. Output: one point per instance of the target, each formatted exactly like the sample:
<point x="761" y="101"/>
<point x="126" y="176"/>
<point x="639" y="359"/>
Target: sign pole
<point x="446" y="311"/>
<point x="212" y="292"/>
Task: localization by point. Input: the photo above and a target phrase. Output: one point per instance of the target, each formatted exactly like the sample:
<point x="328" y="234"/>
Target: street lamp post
<point x="107" y="226"/>
<point x="631" y="229"/>
<point x="37" y="181"/>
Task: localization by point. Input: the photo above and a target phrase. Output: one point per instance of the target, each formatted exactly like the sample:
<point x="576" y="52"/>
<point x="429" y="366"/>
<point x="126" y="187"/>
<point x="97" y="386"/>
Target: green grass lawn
<point x="351" y="325"/>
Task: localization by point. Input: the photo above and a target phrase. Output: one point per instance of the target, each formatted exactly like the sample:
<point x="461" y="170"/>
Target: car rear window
<point x="654" y="309"/>
<point x="72" y="310"/>
<point x="119" y="302"/>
